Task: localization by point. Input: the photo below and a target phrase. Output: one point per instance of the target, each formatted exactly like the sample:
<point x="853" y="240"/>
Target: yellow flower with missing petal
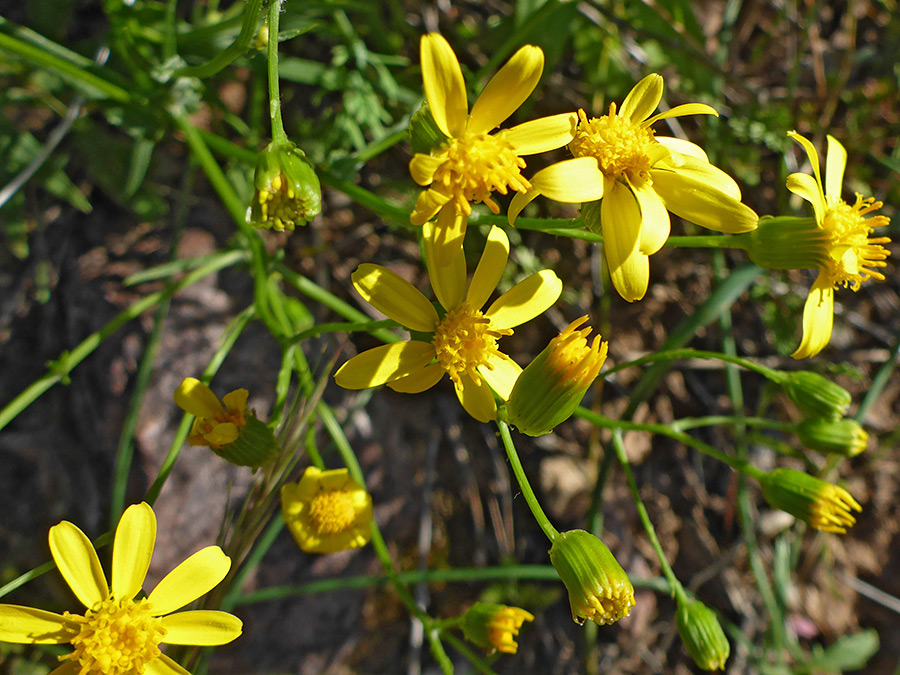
<point x="852" y="256"/>
<point x="216" y="425"/>
<point x="629" y="179"/>
<point x="473" y="163"/>
<point x="327" y="511"/>
<point x="463" y="341"/>
<point x="118" y="634"/>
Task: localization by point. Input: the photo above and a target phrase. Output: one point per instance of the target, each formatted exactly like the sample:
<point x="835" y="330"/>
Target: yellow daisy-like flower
<point x="639" y="177"/>
<point x="473" y="163"/>
<point x="463" y="340"/>
<point x="853" y="256"/>
<point x="216" y="425"/>
<point x="327" y="511"/>
<point x="119" y="634"/>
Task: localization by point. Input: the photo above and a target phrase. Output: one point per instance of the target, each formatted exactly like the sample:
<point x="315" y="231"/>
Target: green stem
<point x="232" y="51"/>
<point x="278" y="133"/>
<point x="721" y="241"/>
<point x="673" y="354"/>
<point x="551" y="532"/>
<point x="733" y="420"/>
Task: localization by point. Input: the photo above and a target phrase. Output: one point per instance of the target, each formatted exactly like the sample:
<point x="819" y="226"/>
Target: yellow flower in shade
<point x="216" y="425"/>
<point x="816" y="502"/>
<point x="639" y="177"/>
<point x="472" y="164"/>
<point x="494" y="627"/>
<point x="463" y="339"/>
<point x="327" y="511"/>
<point x="852" y="255"/>
<point x="119" y="634"/>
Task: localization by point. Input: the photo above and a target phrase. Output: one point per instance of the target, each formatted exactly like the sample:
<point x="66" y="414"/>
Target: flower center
<point x="474" y="166"/>
<point x="465" y="340"/>
<point x="854" y="255"/>
<point x="621" y="148"/>
<point x="280" y="205"/>
<point x="331" y="512"/>
<point x="116" y="637"/>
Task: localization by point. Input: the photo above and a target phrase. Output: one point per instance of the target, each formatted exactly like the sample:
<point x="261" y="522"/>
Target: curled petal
<point x="686" y="195"/>
<point x="445" y="88"/>
<point x="620" y="219"/>
<point x="490" y="268"/>
<point x="519" y="201"/>
<point x="236" y="400"/>
<point x="163" y="665"/>
<point x="813" y="158"/>
<point x="196" y="576"/>
<point x="476" y="398"/>
<point x="507" y="90"/>
<point x="525" y="300"/>
<point x="683" y="147"/>
<point x="384" y="364"/>
<point x="681" y="111"/>
<point x="78" y="563"/>
<point x="501" y="373"/>
<point x="818" y="318"/>
<point x="201" y="627"/>
<point x="222" y="434"/>
<point x="422" y="168"/>
<point x="643" y="99"/>
<point x="804" y="185"/>
<point x="419" y="381"/>
<point x="428" y="203"/>
<point x="655" y="222"/>
<point x="835" y="163"/>
<point x="394" y="296"/>
<point x="541" y="135"/>
<point x="132" y="550"/>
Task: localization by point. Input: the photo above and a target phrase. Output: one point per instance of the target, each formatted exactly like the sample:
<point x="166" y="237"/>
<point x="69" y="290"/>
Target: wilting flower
<point x="598" y="587"/>
<point x="327" y="511"/>
<point x="471" y="164"/>
<point x="463" y="341"/>
<point x="702" y="634"/>
<point x="494" y="627"/>
<point x="550" y="388"/>
<point x="287" y="188"/>
<point x="816" y="502"/>
<point x="639" y="177"/>
<point x="850" y="255"/>
<point x="119" y="634"/>
<point x="228" y="428"/>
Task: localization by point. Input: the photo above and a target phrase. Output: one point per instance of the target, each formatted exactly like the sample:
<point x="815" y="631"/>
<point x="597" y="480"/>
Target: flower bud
<point x="789" y="243"/>
<point x="702" y="635"/>
<point x="287" y="188"/>
<point x="816" y="502"/>
<point x="494" y="627"/>
<point x="424" y="133"/>
<point x="841" y="437"/>
<point x="598" y="587"/>
<point x="547" y="392"/>
<point x="814" y="394"/>
<point x="228" y="428"/>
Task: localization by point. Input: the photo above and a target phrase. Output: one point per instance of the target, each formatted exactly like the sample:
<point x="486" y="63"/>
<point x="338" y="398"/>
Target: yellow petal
<point x="490" y="268"/>
<point x="702" y="203"/>
<point x="384" y="364"/>
<point x="501" y="375"/>
<point x="419" y="381"/>
<point x="395" y="297"/>
<point x="78" y="563"/>
<point x="201" y="627"/>
<point x="525" y="300"/>
<point x="571" y="181"/>
<point x="835" y="163"/>
<point x="818" y="318"/>
<point x="449" y="233"/>
<point x="428" y="203"/>
<point x="422" y="168"/>
<point x="681" y="111"/>
<point x="655" y="222"/>
<point x="507" y="90"/>
<point x="236" y="400"/>
<point x="620" y="219"/>
<point x="541" y="135"/>
<point x="25" y="625"/>
<point x="643" y="99"/>
<point x="476" y="399"/>
<point x="812" y="154"/>
<point x="132" y="550"/>
<point x="193" y="578"/>
<point x="804" y="185"/>
<point x="72" y="668"/>
<point x="449" y="281"/>
<point x="445" y="88"/>
<point x="163" y="665"/>
<point x="222" y="434"/>
<point x="519" y="201"/>
<point x="683" y="147"/>
<point x="696" y="171"/>
<point x="196" y="398"/>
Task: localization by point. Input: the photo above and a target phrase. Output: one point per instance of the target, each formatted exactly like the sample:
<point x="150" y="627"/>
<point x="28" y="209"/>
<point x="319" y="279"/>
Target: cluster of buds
<point x="287" y="188"/>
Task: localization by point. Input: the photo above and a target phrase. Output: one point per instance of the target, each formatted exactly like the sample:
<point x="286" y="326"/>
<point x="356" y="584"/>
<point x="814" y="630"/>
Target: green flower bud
<point x="702" y="635"/>
<point x="287" y="188"/>
<point x="816" y="502"/>
<point x="547" y="392"/>
<point x="814" y="394"/>
<point x="424" y="133"/>
<point x="254" y="447"/>
<point x="789" y="243"/>
<point x="841" y="437"/>
<point x="494" y="627"/>
<point x="598" y="587"/>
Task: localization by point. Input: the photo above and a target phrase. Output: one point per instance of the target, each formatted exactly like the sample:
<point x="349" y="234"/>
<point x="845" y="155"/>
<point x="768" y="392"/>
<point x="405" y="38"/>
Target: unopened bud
<point x="816" y="502"/>
<point x="841" y="437"/>
<point x="702" y="635"/>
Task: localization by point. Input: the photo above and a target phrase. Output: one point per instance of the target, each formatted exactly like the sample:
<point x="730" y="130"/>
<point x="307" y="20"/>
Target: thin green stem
<point x="674" y="354"/>
<point x="733" y="420"/>
<point x="551" y="532"/>
<point x="278" y="133"/>
<point x="232" y="51"/>
<point x="720" y="241"/>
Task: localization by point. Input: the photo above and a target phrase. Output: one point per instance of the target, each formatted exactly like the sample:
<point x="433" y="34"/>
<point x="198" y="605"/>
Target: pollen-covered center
<point x="474" y="166"/>
<point x="280" y="207"/>
<point x="204" y="428"/>
<point x="116" y="637"/>
<point x="331" y="512"/>
<point x="465" y="340"/>
<point x="621" y="147"/>
<point x="855" y="256"/>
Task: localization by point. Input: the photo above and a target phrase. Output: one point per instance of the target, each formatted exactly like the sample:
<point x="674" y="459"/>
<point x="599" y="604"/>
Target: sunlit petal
<point x="132" y="550"/>
<point x="501" y="375"/>
<point x="643" y="99"/>
<point x="655" y="222"/>
<point x="25" y="625"/>
<point x="804" y="185"/>
<point x="445" y="88"/>
<point x="696" y="171"/>
<point x="449" y="235"/>
<point x="70" y="668"/>
<point x="818" y="318"/>
<point x="197" y="399"/>
<point x="428" y="203"/>
<point x="394" y="296"/>
<point x="384" y="364"/>
<point x="477" y="399"/>
<point x="519" y="201"/>
<point x="422" y="168"/>
<point x="813" y="157"/>
<point x="163" y="665"/>
<point x="196" y="576"/>
<point x="419" y="381"/>
<point x="620" y="219"/>
<point x="78" y="563"/>
<point x="571" y="181"/>
<point x="835" y="163"/>
<point x="681" y="110"/>
<point x="525" y="300"/>
<point x="201" y="627"/>
<point x="222" y="434"/>
<point x="507" y="90"/>
<point x="490" y="268"/>
<point x="447" y="282"/>
<point x="683" y="147"/>
<point x="702" y="203"/>
<point x="541" y="135"/>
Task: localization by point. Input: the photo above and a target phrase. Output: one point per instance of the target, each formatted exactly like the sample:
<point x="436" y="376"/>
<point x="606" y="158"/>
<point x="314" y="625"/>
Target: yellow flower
<point x="327" y="511"/>
<point x="463" y="340"/>
<point x="853" y="256"/>
<point x="816" y="502"/>
<point x="118" y="634"/>
<point x="494" y="627"/>
<point x="639" y="177"/>
<point x="216" y="425"/>
<point x="472" y="163"/>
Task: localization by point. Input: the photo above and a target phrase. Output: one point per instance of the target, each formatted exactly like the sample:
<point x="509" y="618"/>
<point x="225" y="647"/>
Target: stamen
<point x="464" y="340"/>
<point x="621" y="148"/>
<point x="331" y="512"/>
<point x="854" y="254"/>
